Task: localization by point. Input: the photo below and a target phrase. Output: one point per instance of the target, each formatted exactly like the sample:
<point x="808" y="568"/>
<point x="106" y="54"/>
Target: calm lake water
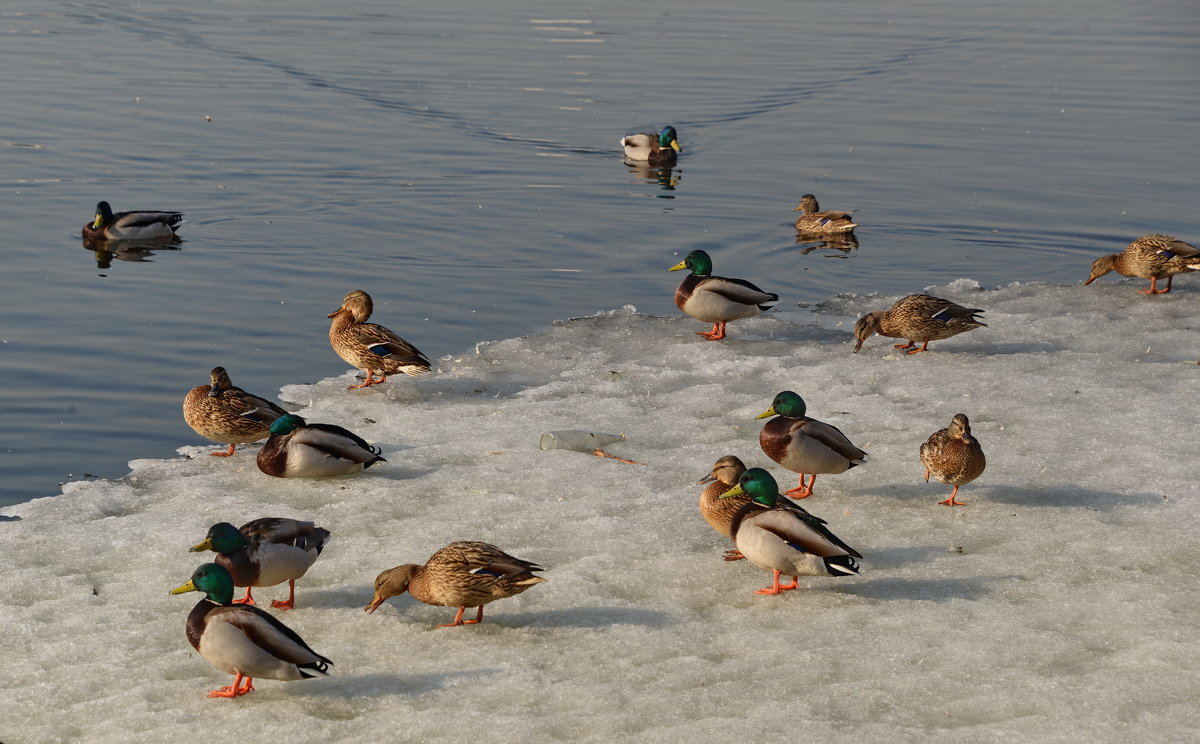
<point x="460" y="163"/>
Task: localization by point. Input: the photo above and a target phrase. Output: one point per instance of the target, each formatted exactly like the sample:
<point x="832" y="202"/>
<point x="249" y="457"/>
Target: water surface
<point x="460" y="164"/>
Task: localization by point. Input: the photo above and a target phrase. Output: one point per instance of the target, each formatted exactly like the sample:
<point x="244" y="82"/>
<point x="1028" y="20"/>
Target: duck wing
<point x="832" y="437"/>
<point x="798" y="533"/>
<point x="271" y="635"/>
<point x="338" y="442"/>
<point x="737" y="290"/>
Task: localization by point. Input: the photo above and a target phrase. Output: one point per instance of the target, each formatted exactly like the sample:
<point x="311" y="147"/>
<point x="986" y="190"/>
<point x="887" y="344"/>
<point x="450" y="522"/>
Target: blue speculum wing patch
<point x="379" y="349"/>
<point x="942" y="315"/>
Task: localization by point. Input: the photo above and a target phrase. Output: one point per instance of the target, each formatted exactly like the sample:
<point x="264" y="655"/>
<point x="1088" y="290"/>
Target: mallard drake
<point x="298" y="449"/>
<point x="953" y="456"/>
<point x="918" y="317"/>
<point x="370" y="346"/>
<point x="785" y="540"/>
<point x="214" y="411"/>
<point x="718" y="511"/>
<point x="1150" y="257"/>
<point x="655" y="149"/>
<point x="266" y="552"/>
<point x="804" y="445"/>
<point x="717" y="299"/>
<point x="131" y="225"/>
<point x="463" y="574"/>
<point x="243" y="640"/>
<point x="816" y="222"/>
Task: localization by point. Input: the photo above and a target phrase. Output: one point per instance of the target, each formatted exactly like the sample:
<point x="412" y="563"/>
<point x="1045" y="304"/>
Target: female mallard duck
<point x="1150" y="257"/>
<point x="215" y="411"/>
<point x="804" y="445"/>
<point x="953" y="456"/>
<point x="783" y="540"/>
<point x="131" y="225"/>
<point x="463" y="574"/>
<point x="918" y="317"/>
<point x="718" y="512"/>
<point x="816" y="222"/>
<point x="369" y="346"/>
<point x="242" y="640"/>
<point x="717" y="299"/>
<point x="298" y="449"/>
<point x="266" y="552"/>
<point x="655" y="149"/>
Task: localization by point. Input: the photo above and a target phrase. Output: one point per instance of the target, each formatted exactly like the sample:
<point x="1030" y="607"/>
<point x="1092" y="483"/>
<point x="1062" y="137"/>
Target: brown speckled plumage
<point x="1150" y="257"/>
<point x="953" y="456"/>
<point x="370" y="346"/>
<point x="813" y="221"/>
<point x="718" y="512"/>
<point x="214" y="412"/>
<point x="462" y="574"/>
<point x="918" y="317"/>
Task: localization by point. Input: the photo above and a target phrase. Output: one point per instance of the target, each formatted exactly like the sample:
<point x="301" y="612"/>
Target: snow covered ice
<point x="1059" y="604"/>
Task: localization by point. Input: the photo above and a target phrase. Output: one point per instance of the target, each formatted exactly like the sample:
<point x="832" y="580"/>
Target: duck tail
<point x="841" y="565"/>
<point x="315" y="541"/>
<point x="313" y="668"/>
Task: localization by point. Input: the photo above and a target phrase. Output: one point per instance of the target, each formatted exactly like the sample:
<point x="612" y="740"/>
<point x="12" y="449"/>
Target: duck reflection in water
<point x="844" y="243"/>
<point x="140" y="251"/>
<point x="663" y="175"/>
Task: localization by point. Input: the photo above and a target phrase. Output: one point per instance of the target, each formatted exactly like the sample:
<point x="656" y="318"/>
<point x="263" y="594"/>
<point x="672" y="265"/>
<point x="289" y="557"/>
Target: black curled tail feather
<point x="841" y="565"/>
<point x="319" y="667"/>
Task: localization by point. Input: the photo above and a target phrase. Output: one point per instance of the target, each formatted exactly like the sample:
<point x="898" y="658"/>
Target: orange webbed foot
<point x="369" y="381"/>
<point x="716" y="334"/>
<point x="226" y="453"/>
<point x="952" y="501"/>
<point x="734" y="555"/>
<point x="803" y="490"/>
<point x="234" y="690"/>
<point x="283" y="604"/>
<point x="458" y="620"/>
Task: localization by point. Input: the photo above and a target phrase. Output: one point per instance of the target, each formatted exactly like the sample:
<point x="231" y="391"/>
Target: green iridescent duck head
<point x="222" y="538"/>
<point x="786" y="404"/>
<point x="286" y="424"/>
<point x="697" y="261"/>
<point x="213" y="580"/>
<point x="668" y="138"/>
<point x="759" y="485"/>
